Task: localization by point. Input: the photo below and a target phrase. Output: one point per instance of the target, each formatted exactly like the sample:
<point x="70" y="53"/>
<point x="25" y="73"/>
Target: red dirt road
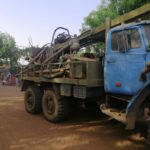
<point x="83" y="131"/>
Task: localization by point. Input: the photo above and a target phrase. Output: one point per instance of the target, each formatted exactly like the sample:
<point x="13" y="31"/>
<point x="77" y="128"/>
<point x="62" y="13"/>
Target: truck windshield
<point x="147" y="33"/>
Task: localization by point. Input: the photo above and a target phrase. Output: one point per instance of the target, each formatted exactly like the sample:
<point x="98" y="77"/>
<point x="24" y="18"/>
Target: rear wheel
<point x="54" y="109"/>
<point x="32" y="99"/>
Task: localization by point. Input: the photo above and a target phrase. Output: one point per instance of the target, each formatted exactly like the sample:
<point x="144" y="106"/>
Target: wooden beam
<point x="132" y="15"/>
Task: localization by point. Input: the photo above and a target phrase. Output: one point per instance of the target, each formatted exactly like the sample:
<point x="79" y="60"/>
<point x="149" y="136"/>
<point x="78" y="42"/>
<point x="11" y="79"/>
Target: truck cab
<point x="127" y="54"/>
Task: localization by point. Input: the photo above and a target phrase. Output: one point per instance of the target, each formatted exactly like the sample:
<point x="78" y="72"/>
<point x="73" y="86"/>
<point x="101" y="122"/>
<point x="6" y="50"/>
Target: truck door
<point x="125" y="59"/>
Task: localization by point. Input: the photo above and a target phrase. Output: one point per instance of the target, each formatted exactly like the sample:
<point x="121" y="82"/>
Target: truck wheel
<point x="32" y="99"/>
<point x="54" y="109"/>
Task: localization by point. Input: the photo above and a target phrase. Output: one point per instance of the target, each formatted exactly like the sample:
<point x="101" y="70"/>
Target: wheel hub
<point x="30" y="100"/>
<point x="50" y="105"/>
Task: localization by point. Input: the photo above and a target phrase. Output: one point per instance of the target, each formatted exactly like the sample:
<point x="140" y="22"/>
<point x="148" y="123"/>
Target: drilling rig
<point x="56" y="75"/>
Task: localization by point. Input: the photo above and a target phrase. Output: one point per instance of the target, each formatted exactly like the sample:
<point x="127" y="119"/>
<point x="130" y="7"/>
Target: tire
<point x="54" y="109"/>
<point x="32" y="100"/>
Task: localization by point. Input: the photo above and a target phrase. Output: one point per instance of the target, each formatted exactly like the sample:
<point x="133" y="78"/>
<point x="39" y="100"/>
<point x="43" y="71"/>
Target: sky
<point x="37" y="19"/>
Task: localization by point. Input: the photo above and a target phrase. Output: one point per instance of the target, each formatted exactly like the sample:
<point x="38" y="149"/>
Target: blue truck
<point x="119" y="81"/>
<point x="126" y="81"/>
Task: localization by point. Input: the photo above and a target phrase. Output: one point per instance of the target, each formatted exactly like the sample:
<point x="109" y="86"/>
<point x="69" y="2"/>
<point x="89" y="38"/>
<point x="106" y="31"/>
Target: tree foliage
<point x="111" y="9"/>
<point x="8" y="50"/>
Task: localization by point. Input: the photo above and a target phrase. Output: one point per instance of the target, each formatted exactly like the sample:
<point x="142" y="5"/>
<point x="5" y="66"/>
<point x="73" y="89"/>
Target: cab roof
<point x="128" y="25"/>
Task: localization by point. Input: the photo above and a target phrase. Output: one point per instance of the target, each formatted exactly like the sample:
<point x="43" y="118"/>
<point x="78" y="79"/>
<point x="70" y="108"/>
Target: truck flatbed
<point x="78" y="74"/>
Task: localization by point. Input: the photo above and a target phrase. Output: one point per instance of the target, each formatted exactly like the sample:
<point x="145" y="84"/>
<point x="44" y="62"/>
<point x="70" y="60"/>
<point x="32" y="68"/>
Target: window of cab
<point x="126" y="40"/>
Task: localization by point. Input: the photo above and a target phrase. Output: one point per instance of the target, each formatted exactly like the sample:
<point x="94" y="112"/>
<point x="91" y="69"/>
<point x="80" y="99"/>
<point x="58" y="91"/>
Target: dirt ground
<point x="83" y="131"/>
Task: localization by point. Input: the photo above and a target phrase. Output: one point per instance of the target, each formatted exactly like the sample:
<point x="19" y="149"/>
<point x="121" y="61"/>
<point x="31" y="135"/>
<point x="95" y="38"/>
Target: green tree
<point x="9" y="53"/>
<point x="111" y="9"/>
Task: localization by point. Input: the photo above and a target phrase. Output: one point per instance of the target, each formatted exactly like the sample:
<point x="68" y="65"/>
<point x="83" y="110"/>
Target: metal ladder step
<point x="114" y="113"/>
